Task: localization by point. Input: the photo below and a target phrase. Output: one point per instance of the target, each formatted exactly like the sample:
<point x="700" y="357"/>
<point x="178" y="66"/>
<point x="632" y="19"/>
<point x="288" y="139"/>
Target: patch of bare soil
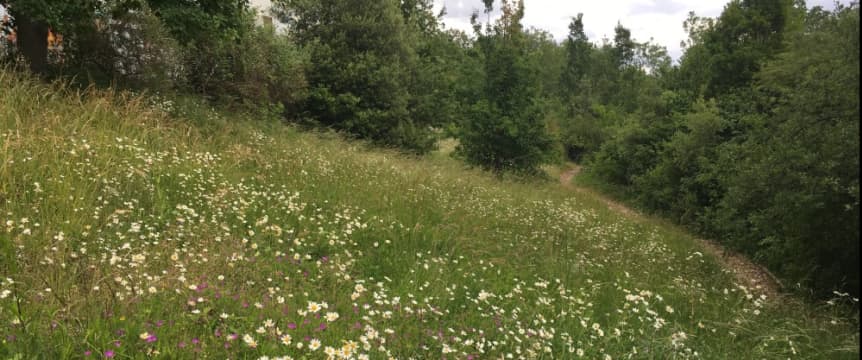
<point x="746" y="272"/>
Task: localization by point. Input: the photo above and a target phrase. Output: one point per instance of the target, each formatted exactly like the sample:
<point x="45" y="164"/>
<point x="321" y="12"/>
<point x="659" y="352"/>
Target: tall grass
<point x="136" y="226"/>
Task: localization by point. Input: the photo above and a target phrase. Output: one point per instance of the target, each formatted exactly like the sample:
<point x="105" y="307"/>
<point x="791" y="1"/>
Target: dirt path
<point x="745" y="271"/>
<point x="566" y="181"/>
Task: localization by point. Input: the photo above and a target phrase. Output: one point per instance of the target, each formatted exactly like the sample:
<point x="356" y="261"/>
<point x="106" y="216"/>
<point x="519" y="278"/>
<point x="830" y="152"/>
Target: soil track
<point x="746" y="272"/>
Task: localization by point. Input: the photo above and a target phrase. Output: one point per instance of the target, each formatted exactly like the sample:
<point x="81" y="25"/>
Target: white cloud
<point x="660" y="20"/>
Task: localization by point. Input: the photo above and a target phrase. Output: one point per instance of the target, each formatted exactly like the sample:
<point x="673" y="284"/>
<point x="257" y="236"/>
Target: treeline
<point x="752" y="138"/>
<point x="211" y="48"/>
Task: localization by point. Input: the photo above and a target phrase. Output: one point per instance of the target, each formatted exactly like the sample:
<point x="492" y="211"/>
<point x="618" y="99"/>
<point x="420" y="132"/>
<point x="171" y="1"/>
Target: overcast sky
<point x="660" y="20"/>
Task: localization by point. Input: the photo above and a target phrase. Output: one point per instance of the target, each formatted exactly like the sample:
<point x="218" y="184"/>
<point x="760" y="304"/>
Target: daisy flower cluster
<point x="123" y="245"/>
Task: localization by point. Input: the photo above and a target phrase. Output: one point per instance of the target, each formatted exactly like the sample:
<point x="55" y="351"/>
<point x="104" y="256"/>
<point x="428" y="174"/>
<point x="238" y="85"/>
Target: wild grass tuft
<point x="142" y="226"/>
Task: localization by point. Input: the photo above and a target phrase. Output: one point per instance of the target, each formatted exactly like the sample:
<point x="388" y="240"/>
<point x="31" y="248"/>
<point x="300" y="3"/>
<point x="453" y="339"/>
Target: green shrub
<point x="793" y="184"/>
<point x="684" y="181"/>
<point x="143" y="54"/>
<point x="269" y="69"/>
<point x="360" y="71"/>
<point x="630" y="151"/>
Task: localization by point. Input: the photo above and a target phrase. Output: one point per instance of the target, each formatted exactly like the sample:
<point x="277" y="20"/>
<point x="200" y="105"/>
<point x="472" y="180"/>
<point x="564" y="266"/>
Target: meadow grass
<point x="136" y="226"/>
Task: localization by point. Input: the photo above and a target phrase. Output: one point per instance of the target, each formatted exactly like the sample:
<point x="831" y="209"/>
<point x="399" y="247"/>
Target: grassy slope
<point x="128" y="232"/>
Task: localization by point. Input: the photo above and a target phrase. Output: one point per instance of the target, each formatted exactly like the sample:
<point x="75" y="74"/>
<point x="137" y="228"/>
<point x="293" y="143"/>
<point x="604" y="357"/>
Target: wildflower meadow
<point x="134" y="227"/>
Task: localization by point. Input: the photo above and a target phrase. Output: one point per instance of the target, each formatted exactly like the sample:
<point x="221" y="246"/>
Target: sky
<point x="660" y="20"/>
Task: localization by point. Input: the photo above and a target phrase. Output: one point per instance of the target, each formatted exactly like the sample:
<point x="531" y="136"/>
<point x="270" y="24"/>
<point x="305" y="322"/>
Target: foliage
<point x="35" y="18"/>
<point x="206" y="46"/>
<point x="360" y="70"/>
<point x="623" y="47"/>
<point x="506" y="128"/>
<point x="272" y="69"/>
<point x="547" y="58"/>
<point x="683" y="182"/>
<point x="604" y="85"/>
<point x="747" y="33"/>
<point x="770" y="165"/>
<point x="631" y="150"/>
<point x="201" y="23"/>
<point x="793" y="184"/>
<point x="577" y="48"/>
<point x="134" y="49"/>
<point x="210" y="33"/>
<point x="62" y="15"/>
<point x="436" y="82"/>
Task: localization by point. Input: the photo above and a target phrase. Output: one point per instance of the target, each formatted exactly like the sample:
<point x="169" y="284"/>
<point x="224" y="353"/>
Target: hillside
<point x="140" y="227"/>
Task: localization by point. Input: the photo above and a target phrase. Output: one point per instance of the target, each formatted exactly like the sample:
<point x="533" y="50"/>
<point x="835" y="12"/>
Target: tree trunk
<point x="33" y="42"/>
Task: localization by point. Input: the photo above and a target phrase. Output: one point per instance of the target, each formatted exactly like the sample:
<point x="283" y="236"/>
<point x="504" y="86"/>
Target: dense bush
<point x="583" y="132"/>
<point x="261" y="69"/>
<point x="140" y="51"/>
<point x="630" y="151"/>
<point x="771" y="167"/>
<point x="360" y="70"/>
<point x="793" y="184"/>
<point x="683" y="182"/>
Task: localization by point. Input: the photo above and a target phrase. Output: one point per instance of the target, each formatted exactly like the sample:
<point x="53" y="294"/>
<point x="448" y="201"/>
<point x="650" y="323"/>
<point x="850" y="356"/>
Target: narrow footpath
<point x="746" y="272"/>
